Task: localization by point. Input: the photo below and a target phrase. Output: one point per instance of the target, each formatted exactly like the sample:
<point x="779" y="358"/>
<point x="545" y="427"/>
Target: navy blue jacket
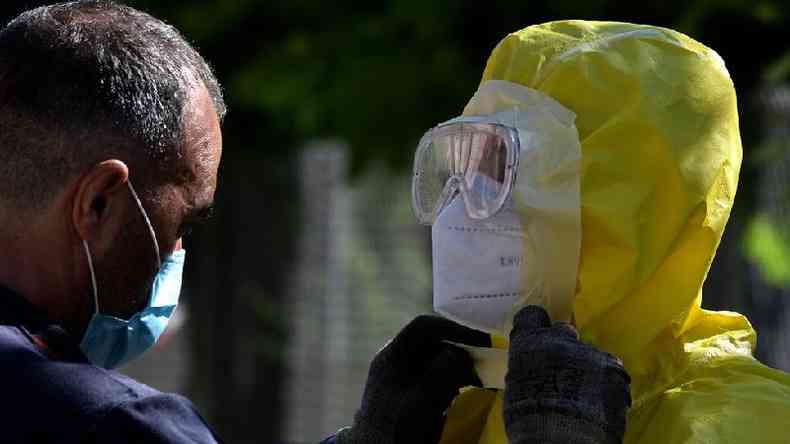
<point x="52" y="394"/>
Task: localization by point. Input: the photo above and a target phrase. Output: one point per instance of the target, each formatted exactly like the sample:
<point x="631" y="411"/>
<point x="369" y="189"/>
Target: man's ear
<point x="96" y="196"/>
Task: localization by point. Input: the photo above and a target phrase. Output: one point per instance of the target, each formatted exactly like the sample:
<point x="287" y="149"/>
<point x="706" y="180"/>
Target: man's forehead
<point x="202" y="149"/>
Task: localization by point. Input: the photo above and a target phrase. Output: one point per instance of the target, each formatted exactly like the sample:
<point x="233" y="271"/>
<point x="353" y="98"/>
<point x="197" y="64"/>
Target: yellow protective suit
<point x="661" y="151"/>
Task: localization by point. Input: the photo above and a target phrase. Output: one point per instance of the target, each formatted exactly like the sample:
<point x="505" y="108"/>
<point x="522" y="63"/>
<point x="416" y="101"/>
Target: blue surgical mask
<point x="110" y="342"/>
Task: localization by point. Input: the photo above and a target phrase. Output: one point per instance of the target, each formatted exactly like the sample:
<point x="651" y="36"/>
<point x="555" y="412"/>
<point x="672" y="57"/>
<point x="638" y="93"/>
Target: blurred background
<point x="314" y="258"/>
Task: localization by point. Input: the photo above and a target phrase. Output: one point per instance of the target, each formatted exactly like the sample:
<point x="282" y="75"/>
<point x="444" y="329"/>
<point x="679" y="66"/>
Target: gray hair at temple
<point x="84" y="81"/>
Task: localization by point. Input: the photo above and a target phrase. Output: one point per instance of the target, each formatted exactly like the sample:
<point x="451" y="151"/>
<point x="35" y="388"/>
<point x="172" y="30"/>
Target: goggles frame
<point x="456" y="182"/>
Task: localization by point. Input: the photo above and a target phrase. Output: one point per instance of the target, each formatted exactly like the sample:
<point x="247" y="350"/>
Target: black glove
<point x="559" y="389"/>
<point x="411" y="383"/>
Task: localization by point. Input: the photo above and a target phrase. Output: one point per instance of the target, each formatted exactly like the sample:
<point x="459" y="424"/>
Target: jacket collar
<point x="48" y="337"/>
<point x="15" y="310"/>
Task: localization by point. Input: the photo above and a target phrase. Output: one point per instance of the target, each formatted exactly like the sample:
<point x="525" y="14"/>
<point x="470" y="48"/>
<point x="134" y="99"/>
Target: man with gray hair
<point x="110" y="143"/>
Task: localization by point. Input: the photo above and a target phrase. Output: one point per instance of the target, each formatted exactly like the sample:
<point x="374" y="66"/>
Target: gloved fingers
<point x="615" y="372"/>
<point x="566" y="329"/>
<point x="531" y="317"/>
<point x="450" y="370"/>
<point x="614" y="360"/>
<point x="527" y="321"/>
<point x="425" y="333"/>
<point x="447" y="374"/>
<point x="616" y="386"/>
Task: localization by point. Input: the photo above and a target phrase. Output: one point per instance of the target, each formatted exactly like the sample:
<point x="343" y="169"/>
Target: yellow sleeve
<point x="734" y="400"/>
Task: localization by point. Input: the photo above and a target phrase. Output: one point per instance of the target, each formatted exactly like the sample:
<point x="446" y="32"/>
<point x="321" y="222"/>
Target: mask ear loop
<point x="93" y="275"/>
<point x="147" y="222"/>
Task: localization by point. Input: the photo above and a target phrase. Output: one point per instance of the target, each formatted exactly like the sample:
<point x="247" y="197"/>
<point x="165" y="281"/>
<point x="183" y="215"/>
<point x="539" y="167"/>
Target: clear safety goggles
<point x="476" y="159"/>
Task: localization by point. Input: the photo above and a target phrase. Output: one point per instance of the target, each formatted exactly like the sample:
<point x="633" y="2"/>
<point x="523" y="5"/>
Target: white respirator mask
<point x="500" y="189"/>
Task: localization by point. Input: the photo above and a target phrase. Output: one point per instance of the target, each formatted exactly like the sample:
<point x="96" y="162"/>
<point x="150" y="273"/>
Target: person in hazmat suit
<point x="587" y="183"/>
<point x="500" y="187"/>
<point x="629" y="154"/>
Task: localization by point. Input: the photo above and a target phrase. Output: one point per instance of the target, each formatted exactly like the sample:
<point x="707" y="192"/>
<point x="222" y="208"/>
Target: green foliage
<point x="779" y="70"/>
<point x="768" y="247"/>
<point x="378" y="74"/>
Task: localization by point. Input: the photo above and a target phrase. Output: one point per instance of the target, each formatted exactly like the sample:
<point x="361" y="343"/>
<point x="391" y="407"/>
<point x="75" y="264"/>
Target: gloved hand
<point x="559" y="389"/>
<point x="411" y="383"/>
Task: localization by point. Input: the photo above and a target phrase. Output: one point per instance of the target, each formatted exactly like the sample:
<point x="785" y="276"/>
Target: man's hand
<point x="412" y="381"/>
<point x="560" y="390"/>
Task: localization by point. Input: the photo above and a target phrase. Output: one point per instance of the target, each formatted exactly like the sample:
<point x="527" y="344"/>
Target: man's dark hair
<point x="85" y="80"/>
